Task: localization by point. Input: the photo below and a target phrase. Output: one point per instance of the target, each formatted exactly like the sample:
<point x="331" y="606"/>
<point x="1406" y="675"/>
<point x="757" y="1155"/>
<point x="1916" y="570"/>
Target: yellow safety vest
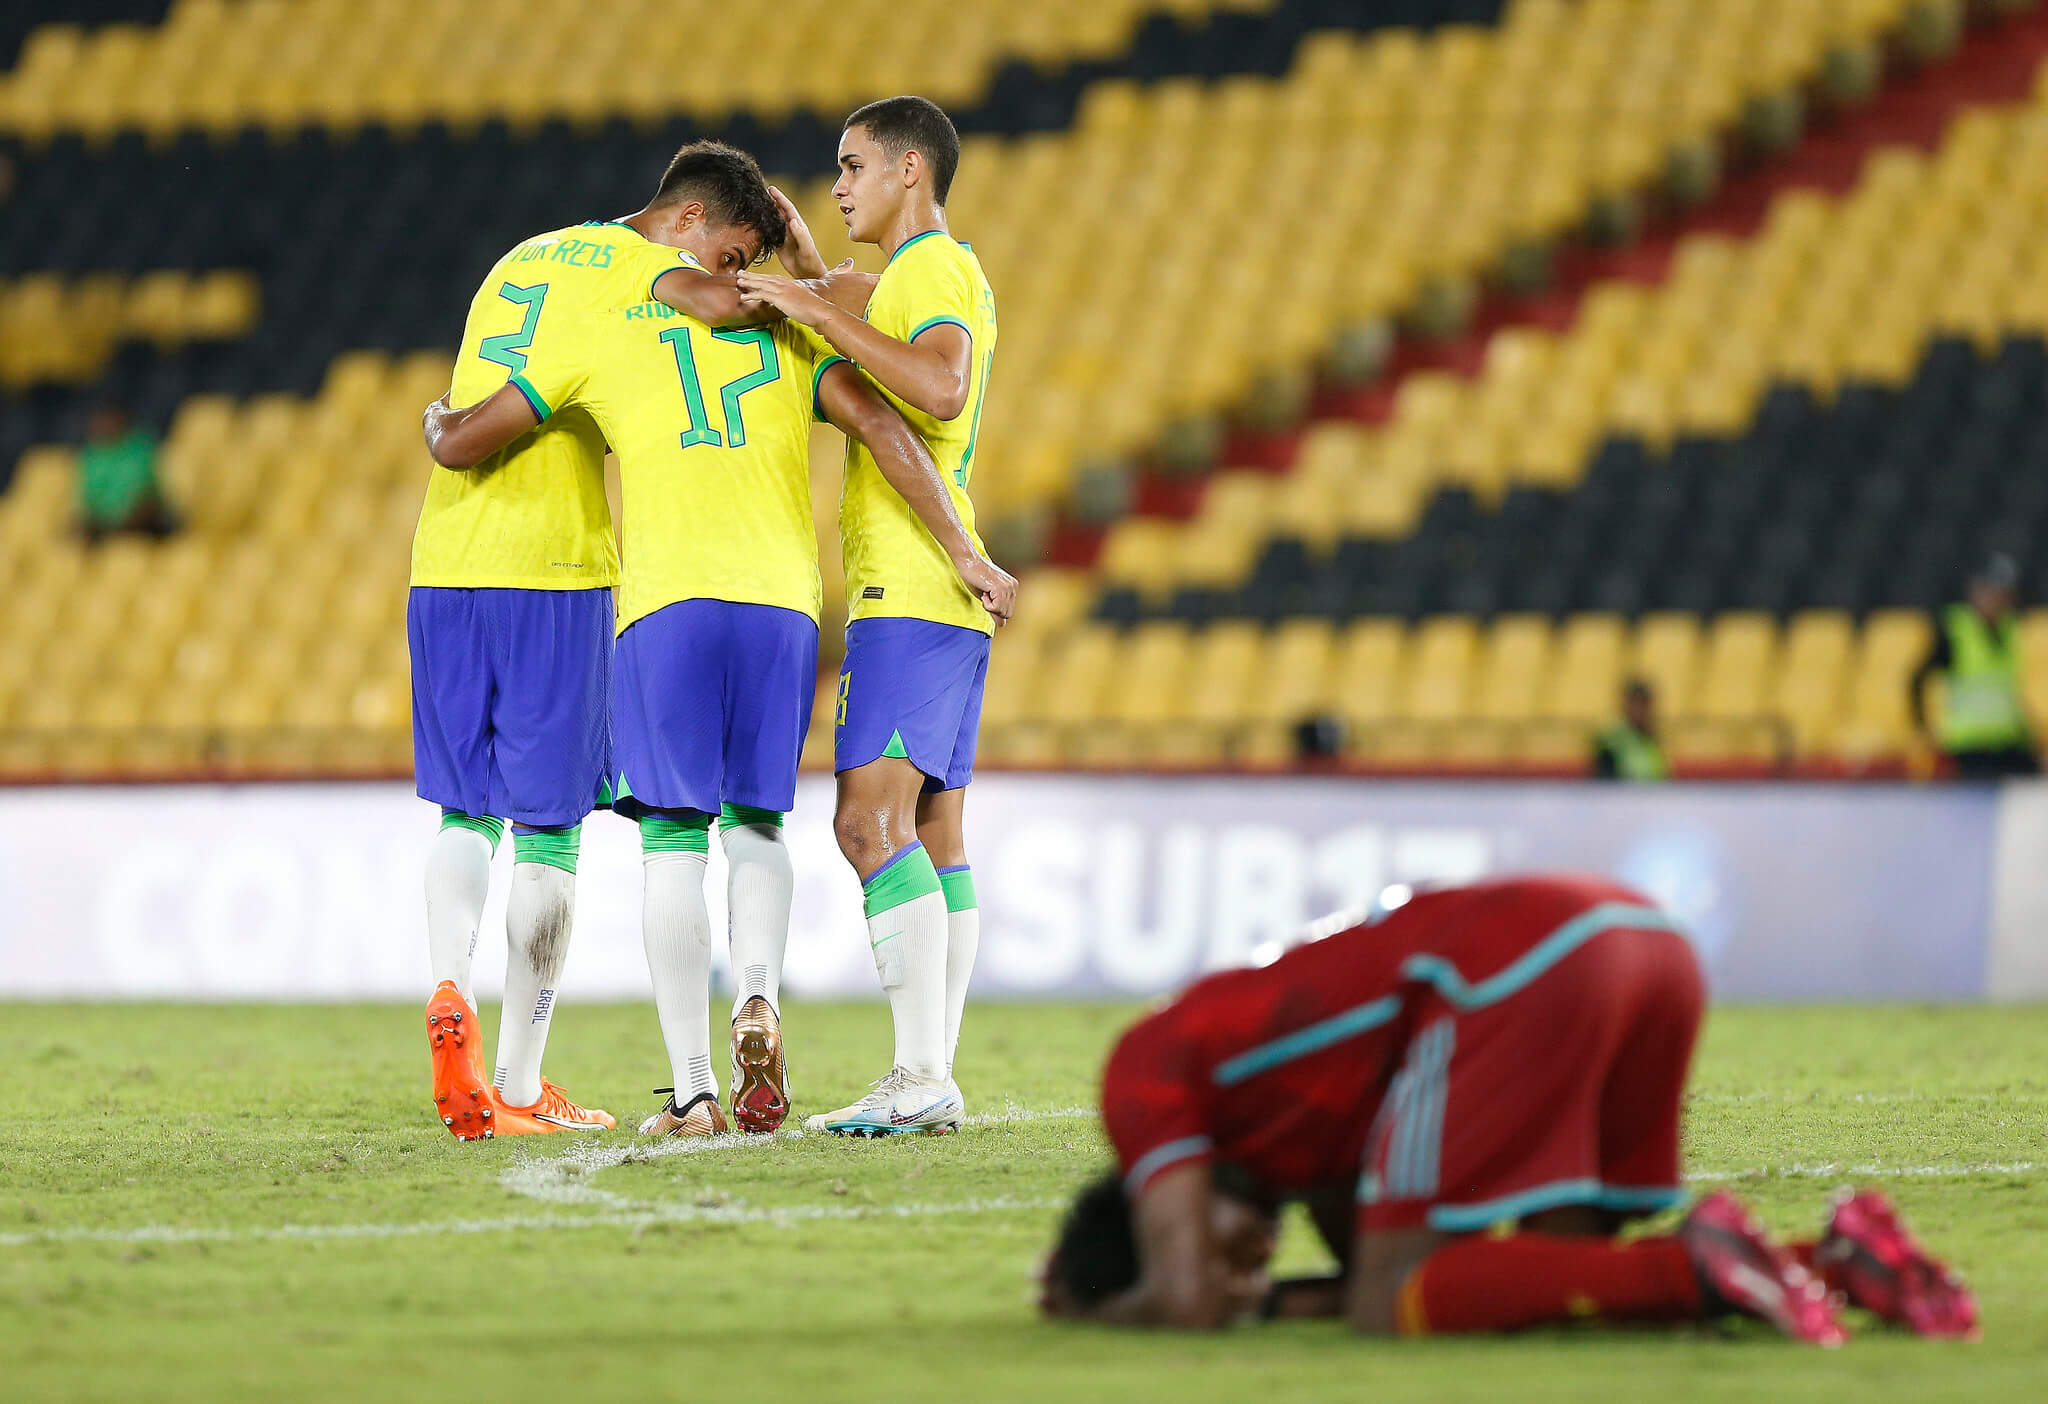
<point x="1636" y="756"/>
<point x="1981" y="706"/>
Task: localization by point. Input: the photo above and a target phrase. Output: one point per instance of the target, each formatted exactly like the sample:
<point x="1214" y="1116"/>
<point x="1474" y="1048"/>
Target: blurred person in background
<point x="1629" y="749"/>
<point x="117" y="483"/>
<point x="1984" y="731"/>
<point x="1319" y="741"/>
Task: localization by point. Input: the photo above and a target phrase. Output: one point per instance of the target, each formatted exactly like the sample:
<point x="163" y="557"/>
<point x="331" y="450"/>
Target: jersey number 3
<point x="508" y="349"/>
<point x="769" y="371"/>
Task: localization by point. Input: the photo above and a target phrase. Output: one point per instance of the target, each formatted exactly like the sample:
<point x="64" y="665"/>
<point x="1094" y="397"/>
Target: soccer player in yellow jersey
<point x="917" y="639"/>
<point x="510" y="623"/>
<point x="718" y="617"/>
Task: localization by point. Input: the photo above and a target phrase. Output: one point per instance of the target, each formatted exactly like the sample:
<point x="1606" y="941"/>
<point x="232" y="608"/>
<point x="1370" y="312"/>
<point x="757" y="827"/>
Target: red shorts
<point x="1515" y="1097"/>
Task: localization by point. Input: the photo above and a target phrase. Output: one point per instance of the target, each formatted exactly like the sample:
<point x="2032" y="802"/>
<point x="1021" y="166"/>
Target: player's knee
<point x="556" y="848"/>
<point x="863" y="838"/>
<point x="943" y="842"/>
<point x="671" y="831"/>
<point x="746" y="820"/>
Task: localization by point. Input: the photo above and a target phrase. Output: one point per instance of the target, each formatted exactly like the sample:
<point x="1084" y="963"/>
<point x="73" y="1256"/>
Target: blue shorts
<point x="713" y="701"/>
<point x="911" y="688"/>
<point x="511" y="701"/>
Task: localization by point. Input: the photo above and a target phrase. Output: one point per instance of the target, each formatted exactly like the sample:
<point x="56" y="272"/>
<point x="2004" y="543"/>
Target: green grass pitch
<point x="221" y="1202"/>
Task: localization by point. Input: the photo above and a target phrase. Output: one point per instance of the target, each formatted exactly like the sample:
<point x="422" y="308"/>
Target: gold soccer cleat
<point x="701" y="1117"/>
<point x="760" y="1078"/>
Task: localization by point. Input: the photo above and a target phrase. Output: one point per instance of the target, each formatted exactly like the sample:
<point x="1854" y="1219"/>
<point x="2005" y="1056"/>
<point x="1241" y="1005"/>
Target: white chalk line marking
<point x="552" y="1179"/>
<point x="1878" y="1099"/>
<point x="527" y="1223"/>
<point x="561" y="1179"/>
<point x="555" y="1179"/>
<point x="1832" y="1170"/>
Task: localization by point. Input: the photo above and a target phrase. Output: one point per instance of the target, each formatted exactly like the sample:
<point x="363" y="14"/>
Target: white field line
<point x="560" y="1179"/>
<point x="555" y="1180"/>
<point x="1875" y="1099"/>
<point x="1834" y="1170"/>
<point x="527" y="1223"/>
<point x="564" y="1178"/>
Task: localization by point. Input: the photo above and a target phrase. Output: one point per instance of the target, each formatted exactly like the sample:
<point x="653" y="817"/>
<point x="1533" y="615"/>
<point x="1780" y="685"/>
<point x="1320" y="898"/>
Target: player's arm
<point x="931" y="372"/>
<point x="848" y="401"/>
<point x="715" y="299"/>
<point x="463" y="438"/>
<point x="1182" y="1280"/>
<point x="712" y="298"/>
<point x="1933" y="665"/>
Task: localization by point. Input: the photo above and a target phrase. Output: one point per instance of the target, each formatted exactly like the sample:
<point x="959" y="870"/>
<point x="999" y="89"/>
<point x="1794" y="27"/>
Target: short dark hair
<point x="917" y="124"/>
<point x="1096" y="1255"/>
<point x="729" y="183"/>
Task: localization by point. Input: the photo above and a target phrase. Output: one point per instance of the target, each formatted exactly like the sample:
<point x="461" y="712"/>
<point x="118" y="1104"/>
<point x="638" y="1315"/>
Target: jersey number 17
<point x="769" y="371"/>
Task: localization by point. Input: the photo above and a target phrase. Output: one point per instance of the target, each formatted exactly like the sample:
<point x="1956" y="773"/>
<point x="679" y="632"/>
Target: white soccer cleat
<point x="901" y="1103"/>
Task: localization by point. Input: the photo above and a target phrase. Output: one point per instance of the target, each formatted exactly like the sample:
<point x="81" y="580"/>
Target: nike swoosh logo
<point x="568" y="1125"/>
<point x="902" y="1120"/>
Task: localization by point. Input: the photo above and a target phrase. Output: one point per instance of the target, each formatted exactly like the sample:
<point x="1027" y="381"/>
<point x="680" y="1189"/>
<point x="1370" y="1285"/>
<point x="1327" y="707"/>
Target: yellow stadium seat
<point x="1591" y="651"/>
<point x="1741" y="657"/>
<point x="1516" y="665"/>
<point x="1666" y="654"/>
<point x="1808" y="691"/>
<point x="1440" y="668"/>
<point x="1370" y="670"/>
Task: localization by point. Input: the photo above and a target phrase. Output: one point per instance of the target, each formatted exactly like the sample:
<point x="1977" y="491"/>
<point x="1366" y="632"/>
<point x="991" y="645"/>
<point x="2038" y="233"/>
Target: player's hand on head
<point x="799" y="251"/>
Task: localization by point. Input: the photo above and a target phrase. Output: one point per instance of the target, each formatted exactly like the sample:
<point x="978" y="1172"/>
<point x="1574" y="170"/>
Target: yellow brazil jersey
<point x="533" y="516"/>
<point x="893" y="566"/>
<point x="713" y="433"/>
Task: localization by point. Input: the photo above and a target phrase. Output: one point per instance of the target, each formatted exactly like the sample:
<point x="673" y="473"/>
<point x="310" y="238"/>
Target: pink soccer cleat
<point x="1741" y="1270"/>
<point x="1882" y="1268"/>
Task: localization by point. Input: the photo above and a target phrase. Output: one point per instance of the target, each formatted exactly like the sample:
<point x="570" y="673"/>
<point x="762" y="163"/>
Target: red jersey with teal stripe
<point x="1281" y="1071"/>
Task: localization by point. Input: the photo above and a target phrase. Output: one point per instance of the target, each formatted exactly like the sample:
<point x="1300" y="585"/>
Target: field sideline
<point x="198" y="1202"/>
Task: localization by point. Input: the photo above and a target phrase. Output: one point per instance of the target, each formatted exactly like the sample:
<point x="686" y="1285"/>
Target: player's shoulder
<point x="932" y="255"/>
<point x="594" y="255"/>
<point x="930" y="276"/>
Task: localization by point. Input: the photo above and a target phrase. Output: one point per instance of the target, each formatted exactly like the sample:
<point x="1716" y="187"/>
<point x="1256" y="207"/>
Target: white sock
<point x="458" y="880"/>
<point x="759" y="885"/>
<point x="537" y="921"/>
<point x="676" y="927"/>
<point x="909" y="942"/>
<point x="963" y="940"/>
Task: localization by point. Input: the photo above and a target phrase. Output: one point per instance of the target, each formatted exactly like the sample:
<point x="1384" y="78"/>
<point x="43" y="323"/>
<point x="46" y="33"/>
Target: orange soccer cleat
<point x="462" y="1093"/>
<point x="553" y="1112"/>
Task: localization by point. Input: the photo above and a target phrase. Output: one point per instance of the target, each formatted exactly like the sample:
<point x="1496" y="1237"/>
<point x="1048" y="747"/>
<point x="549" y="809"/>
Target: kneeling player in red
<point x="1472" y="1094"/>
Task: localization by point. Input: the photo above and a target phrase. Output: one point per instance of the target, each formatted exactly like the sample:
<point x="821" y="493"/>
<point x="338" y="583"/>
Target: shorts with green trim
<point x="711" y="705"/>
<point x="1562" y="1091"/>
<point x="911" y="688"/>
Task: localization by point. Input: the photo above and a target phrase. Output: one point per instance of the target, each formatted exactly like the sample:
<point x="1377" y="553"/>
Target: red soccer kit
<point x="1476" y="1055"/>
